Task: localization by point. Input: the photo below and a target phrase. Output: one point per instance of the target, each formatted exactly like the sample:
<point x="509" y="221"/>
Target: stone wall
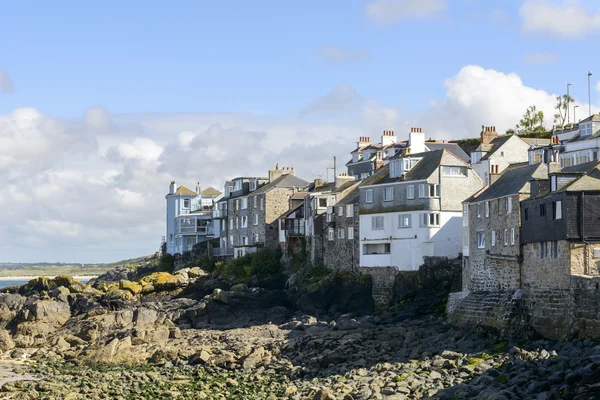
<point x="198" y="252"/>
<point x="276" y="203"/>
<point x="342" y="254"/>
<point x="382" y="279"/>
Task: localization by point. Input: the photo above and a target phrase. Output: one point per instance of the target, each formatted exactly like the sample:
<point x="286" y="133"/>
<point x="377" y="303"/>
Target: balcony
<point x="294" y="227"/>
<point x="197" y="230"/>
<point x="219" y="214"/>
<point x="222" y="252"/>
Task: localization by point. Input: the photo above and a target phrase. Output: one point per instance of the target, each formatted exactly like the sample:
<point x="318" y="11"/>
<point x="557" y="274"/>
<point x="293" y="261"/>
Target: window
<point x="341" y="233"/>
<point x="526" y="213"/>
<point x="186" y="203"/>
<point x="395" y="168"/>
<point x="409" y="163"/>
<point x="508" y="205"/>
<point x="478" y="210"/>
<point x="231" y="240"/>
<point x="553" y="183"/>
<point x="369" y="196"/>
<point x="555" y="249"/>
<point x="421" y="191"/>
<point x="230" y="223"/>
<point x="434" y="190"/>
<point x="487" y="209"/>
<point x="506" y="237"/>
<point x="237" y="222"/>
<point x="262" y="204"/>
<point x="494" y="169"/>
<point x="557" y="209"/>
<point x="329" y="217"/>
<point x="255" y="204"/>
<point x="480" y="240"/>
<point x="340" y="211"/>
<point x="585" y="129"/>
<point x="350" y="233"/>
<point x="255" y="222"/>
<point x="376" y="248"/>
<point x="244" y="203"/>
<point x="330" y="234"/>
<point x="430" y="219"/>
<point x="493" y="238"/>
<point x="454" y="171"/>
<point x="404" y="221"/>
<point x="255" y="238"/>
<point x="364" y="175"/>
<point x="237" y="185"/>
<point x="377" y="223"/>
<point x="542" y="210"/>
<point x="388" y="194"/>
<point x="512" y="236"/>
<point x="252" y="185"/>
<point x="410" y="192"/>
<point x="349" y="211"/>
<point x="543" y="249"/>
<point x="244" y="240"/>
<point x="322" y="203"/>
<point x="429" y="190"/>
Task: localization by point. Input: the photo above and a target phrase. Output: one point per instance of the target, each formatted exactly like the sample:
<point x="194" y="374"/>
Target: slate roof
<point x="578" y="169"/>
<point x="291" y="211"/>
<point x="284" y="181"/>
<point x="210" y="191"/>
<point x="589" y="182"/>
<point x="299" y="196"/>
<point x="451" y="147"/>
<point x="512" y="182"/>
<point x="493" y="146"/>
<point x="592" y="118"/>
<point x="353" y="197"/>
<point x="536" y="141"/>
<point x="183" y="191"/>
<point x="430" y="160"/>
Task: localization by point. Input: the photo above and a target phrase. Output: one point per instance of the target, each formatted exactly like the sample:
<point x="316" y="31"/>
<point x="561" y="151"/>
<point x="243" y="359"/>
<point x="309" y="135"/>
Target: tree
<point x="562" y="109"/>
<point x="532" y="121"/>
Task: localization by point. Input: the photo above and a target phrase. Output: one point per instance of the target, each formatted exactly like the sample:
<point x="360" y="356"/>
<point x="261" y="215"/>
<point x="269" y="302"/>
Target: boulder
<point x="133" y="287"/>
<point x="163" y="281"/>
<point x="51" y="311"/>
<point x="64" y="280"/>
<point x="201" y="357"/>
<point x="61" y="293"/>
<point x="196" y="272"/>
<point x="6" y="342"/>
<point x="254" y="358"/>
<point x="222" y="296"/>
<point x="145" y="316"/>
<point x="239" y="288"/>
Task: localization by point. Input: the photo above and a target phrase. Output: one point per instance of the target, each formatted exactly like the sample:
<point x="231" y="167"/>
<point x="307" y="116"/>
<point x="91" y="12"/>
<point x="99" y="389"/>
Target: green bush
<point x="165" y="263"/>
<point x="262" y="263"/>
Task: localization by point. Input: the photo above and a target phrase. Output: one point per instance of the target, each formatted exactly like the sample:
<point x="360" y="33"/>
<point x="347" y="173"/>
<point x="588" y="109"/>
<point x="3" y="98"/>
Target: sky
<point x="102" y="104"/>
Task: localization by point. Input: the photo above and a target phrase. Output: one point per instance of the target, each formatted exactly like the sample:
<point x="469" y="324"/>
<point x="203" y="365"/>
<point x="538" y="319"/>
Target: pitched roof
<point x="183" y="191"/>
<point x="592" y="118"/>
<point x="210" y="191"/>
<point x="299" y="196"/>
<point x="536" y="141"/>
<point x="493" y="146"/>
<point x="513" y="181"/>
<point x="588" y="182"/>
<point x="353" y="197"/>
<point x="284" y="181"/>
<point x="451" y="147"/>
<point x="579" y="169"/>
<point x="427" y="164"/>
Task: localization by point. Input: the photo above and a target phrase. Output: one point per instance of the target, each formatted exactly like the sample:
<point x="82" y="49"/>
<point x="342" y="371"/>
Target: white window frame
<point x="509" y="205"/>
<point x="558" y="214"/>
<point x="422" y="191"/>
<point x="230" y="223"/>
<point x="377" y="223"/>
<point x="350" y="233"/>
<point x="340" y="212"/>
<point x="331" y="235"/>
<point x="493" y="240"/>
<point x="404" y="221"/>
<point x="480" y="240"/>
<point x="244" y="203"/>
<point x="430" y="220"/>
<point x="329" y="217"/>
<point x="255" y="217"/>
<point x="388" y="193"/>
<point x="341" y="233"/>
<point x="410" y="192"/>
<point x="254" y="202"/>
<point x="369" y="196"/>
<point x="262" y="204"/>
<point x="512" y="236"/>
<point x="487" y="209"/>
<point x="553" y="183"/>
<point x="454" y="171"/>
<point x="186" y="203"/>
<point x="506" y="237"/>
<point x="349" y="210"/>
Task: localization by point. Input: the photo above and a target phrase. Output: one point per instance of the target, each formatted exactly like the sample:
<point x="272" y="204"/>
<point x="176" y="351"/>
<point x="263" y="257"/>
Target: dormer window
<point x="476" y="157"/>
<point x="409" y="163"/>
<point x="585" y="129"/>
<point x="253" y="185"/>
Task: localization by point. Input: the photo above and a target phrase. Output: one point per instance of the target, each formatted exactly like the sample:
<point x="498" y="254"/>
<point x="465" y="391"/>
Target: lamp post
<point x="568" y="101"/>
<point x="589" y="94"/>
<point x="574" y="119"/>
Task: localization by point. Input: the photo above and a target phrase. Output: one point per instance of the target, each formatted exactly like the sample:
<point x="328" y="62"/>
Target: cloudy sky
<point x="103" y="104"/>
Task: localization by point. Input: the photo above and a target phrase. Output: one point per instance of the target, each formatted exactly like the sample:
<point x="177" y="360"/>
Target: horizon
<point x="100" y="110"/>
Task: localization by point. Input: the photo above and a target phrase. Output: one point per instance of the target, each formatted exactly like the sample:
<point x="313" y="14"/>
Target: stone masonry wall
<point x="342" y="254"/>
<point x="276" y="203"/>
<point x="382" y="279"/>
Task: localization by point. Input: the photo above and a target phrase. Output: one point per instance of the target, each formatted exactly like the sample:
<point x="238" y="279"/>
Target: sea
<point x="9" y="281"/>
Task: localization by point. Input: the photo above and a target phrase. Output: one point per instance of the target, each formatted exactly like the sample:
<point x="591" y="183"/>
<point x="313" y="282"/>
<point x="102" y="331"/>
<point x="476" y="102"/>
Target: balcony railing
<point x="294" y="227"/>
<point x="219" y="214"/>
<point x="222" y="251"/>
<point x="200" y="230"/>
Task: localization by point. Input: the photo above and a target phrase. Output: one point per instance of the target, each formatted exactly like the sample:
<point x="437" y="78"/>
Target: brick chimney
<point x="320" y="183"/>
<point x="363" y="141"/>
<point x="416" y="140"/>
<point x="388" y="138"/>
<point x="172" y="187"/>
<point x="279" y="171"/>
<point x="341" y="179"/>
<point x="488" y="133"/>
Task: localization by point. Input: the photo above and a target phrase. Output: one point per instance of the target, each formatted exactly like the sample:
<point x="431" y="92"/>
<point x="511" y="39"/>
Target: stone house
<point x="254" y="208"/>
<point x="496" y="153"/>
<point x="368" y="156"/>
<point x="414" y="210"/>
<point x="583" y="145"/>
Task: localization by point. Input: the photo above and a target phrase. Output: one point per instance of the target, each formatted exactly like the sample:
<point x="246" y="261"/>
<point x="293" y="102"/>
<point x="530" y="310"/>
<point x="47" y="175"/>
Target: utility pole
<point x="568" y="102"/>
<point x="334" y="169"/>
<point x="589" y="94"/>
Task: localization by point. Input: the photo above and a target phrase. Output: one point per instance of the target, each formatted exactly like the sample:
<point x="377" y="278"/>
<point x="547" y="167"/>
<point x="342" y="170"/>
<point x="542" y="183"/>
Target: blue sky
<point x="260" y="57"/>
<point x="102" y="104"/>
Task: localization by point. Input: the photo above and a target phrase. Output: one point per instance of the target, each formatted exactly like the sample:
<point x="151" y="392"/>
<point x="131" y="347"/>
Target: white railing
<point x="219" y="213"/>
<point x="200" y="230"/>
<point x="222" y="251"/>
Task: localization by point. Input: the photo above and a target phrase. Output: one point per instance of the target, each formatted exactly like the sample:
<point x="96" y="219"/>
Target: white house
<point x="189" y="217"/>
<point x="413" y="209"/>
<point x="582" y="145"/>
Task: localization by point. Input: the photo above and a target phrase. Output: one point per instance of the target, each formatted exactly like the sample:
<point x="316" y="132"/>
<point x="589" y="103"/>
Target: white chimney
<point x="416" y="140"/>
<point x="172" y="187"/>
<point x="198" y="189"/>
<point x="388" y="138"/>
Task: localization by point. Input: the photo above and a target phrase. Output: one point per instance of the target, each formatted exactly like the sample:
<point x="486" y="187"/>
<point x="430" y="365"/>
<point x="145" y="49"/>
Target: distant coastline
<point x="30" y="277"/>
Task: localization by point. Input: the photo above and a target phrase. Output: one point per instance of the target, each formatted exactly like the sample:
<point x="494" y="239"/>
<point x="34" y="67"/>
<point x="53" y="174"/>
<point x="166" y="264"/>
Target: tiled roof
<point x="451" y="147"/>
<point x="285" y="181"/>
<point x="513" y="181"/>
<point x="210" y="191"/>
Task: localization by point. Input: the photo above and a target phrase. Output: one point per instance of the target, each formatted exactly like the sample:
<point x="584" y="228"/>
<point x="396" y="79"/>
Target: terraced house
<point x="414" y="209"/>
<point x="254" y="207"/>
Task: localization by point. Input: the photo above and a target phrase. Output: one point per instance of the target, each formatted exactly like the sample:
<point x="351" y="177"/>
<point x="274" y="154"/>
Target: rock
<point x="145" y="316"/>
<point x="51" y="311"/>
<point x="239" y="288"/>
<point x="222" y="296"/>
<point x="6" y="342"/>
<point x="133" y="287"/>
<point x="64" y="280"/>
<point x="324" y="394"/>
<point x="202" y="357"/>
<point x="254" y="358"/>
<point x="117" y="298"/>
<point x="61" y="293"/>
<point x="196" y="272"/>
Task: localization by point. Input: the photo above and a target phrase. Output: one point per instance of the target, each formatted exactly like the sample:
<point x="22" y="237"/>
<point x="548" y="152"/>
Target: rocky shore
<point x="195" y="335"/>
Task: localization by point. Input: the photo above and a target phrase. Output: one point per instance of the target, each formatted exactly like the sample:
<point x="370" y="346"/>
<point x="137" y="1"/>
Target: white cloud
<point x="568" y="19"/>
<point x="390" y="11"/>
<point x="338" y="54"/>
<point x="541" y="58"/>
<point x="342" y="99"/>
<point x="6" y="84"/>
<point x="598" y="86"/>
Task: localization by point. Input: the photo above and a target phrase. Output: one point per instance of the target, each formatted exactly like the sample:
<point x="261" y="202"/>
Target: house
<point x="189" y="217"/>
<point x="368" y="157"/>
<point x="254" y="208"/>
<point x="582" y="143"/>
<point x="413" y="209"/>
<point x="491" y="225"/>
<point x="496" y="153"/>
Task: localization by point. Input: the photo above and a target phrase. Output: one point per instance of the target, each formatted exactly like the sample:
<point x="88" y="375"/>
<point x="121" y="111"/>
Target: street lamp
<point x="589" y="94"/>
<point x="568" y="101"/>
<point x="574" y="119"/>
